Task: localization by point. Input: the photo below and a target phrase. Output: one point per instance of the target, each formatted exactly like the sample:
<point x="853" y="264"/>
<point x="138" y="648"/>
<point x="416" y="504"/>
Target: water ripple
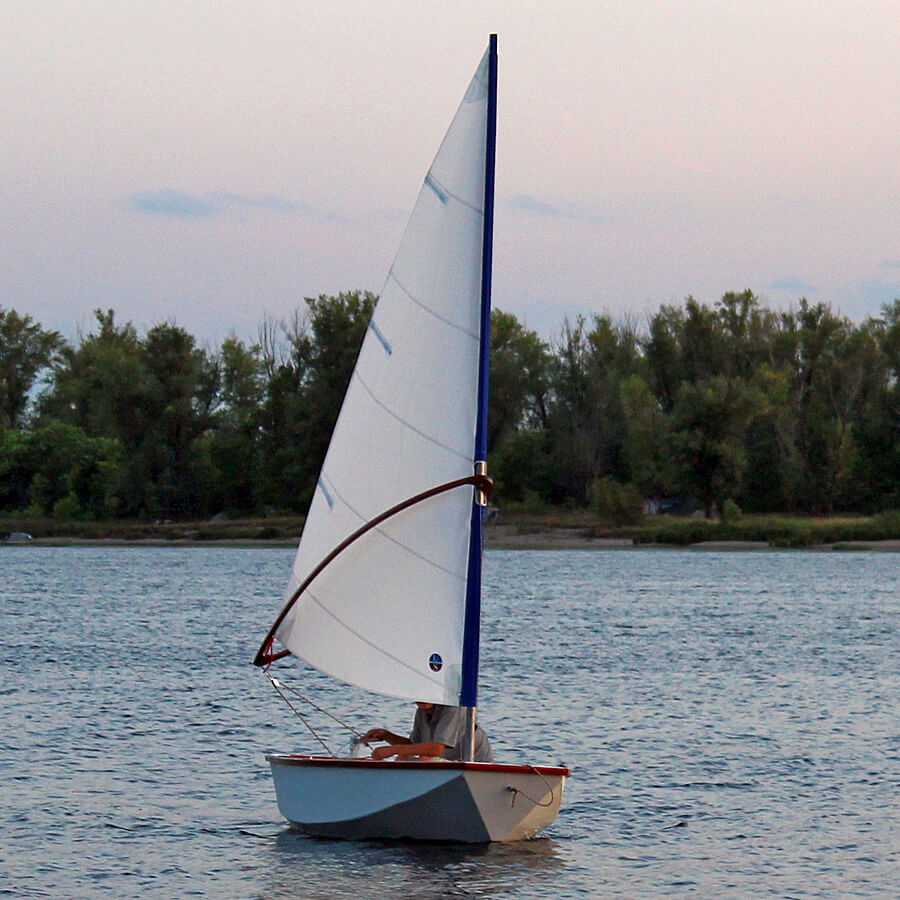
<point x="731" y="721"/>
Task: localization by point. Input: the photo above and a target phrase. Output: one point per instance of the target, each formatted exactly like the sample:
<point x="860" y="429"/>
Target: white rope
<point x="515" y="791"/>
<point x="278" y="686"/>
<point x="277" y="683"/>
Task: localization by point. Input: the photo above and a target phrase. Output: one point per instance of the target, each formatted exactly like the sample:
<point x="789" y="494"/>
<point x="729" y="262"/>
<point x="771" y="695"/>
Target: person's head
<point x="425" y="707"/>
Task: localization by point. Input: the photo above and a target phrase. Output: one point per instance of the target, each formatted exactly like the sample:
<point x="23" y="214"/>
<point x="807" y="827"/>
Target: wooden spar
<point x="264" y="655"/>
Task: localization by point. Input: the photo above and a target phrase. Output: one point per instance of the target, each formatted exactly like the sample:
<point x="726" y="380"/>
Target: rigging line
<point x="432" y="440"/>
<point x="393" y="275"/>
<point x="516" y="791"/>
<point x="388" y="537"/>
<point x="371" y="644"/>
<point x="277" y="682"/>
<point x="299" y="716"/>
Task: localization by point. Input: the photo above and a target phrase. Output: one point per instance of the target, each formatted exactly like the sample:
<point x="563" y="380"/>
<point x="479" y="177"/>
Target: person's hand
<point x="374" y="734"/>
<point x="382" y="752"/>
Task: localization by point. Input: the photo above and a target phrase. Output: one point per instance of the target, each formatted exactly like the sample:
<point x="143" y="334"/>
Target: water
<point x="730" y="718"/>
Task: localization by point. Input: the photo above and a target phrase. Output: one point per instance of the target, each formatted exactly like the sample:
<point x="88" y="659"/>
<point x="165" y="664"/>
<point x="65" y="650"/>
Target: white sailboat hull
<point x="416" y="800"/>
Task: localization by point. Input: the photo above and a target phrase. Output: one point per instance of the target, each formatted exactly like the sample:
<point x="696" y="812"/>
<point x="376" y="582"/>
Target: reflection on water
<point x="335" y="869"/>
<point x="730" y="720"/>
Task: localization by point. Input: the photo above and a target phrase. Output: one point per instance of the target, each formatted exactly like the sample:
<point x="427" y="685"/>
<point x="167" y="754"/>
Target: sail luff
<point x="472" y="627"/>
<point x="487" y="255"/>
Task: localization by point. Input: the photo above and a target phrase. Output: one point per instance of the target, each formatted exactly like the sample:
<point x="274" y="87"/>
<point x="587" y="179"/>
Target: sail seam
<point x="463" y="456"/>
<point x="392" y="274"/>
<point x="328" y="498"/>
<point x="392" y="539"/>
<point x="443" y="194"/>
<point x="436" y="186"/>
<point x="371" y="644"/>
<point x="382" y="339"/>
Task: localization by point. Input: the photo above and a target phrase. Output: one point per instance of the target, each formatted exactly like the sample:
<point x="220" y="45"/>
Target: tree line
<point x="722" y="407"/>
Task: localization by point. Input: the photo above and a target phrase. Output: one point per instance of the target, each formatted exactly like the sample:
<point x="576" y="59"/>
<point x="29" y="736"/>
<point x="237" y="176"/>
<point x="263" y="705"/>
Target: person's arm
<point x="382" y="734"/>
<point x="404" y="749"/>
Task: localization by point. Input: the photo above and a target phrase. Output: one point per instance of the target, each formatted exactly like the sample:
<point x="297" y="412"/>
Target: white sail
<point x="387" y="615"/>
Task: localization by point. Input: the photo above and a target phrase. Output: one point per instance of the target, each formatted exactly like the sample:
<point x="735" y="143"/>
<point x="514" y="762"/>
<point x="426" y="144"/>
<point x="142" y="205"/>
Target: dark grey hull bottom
<point x="448" y="813"/>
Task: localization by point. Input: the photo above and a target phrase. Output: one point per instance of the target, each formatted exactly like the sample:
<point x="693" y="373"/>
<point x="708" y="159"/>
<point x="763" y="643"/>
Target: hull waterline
<point x="416" y="800"/>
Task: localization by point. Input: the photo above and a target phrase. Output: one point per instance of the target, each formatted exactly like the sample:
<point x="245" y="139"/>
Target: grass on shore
<point x="250" y="529"/>
<point x="777" y="531"/>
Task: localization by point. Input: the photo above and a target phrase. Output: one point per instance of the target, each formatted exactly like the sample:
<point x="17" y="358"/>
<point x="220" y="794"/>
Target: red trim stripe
<point x="291" y="759"/>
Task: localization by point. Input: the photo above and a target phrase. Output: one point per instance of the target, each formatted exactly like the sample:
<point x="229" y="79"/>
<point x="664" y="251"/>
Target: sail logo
<point x="435" y="663"/>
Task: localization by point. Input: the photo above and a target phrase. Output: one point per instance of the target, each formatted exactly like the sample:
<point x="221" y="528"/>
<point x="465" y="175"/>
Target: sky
<point x="213" y="163"/>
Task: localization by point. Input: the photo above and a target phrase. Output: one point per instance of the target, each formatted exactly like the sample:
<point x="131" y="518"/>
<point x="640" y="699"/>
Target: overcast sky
<point x="212" y="163"/>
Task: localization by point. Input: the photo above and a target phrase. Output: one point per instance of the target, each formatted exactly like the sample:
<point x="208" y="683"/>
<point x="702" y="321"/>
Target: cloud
<point x="270" y="202"/>
<point x="173" y="203"/>
<point x="529" y="204"/>
<point x="533" y="206"/>
<point x="169" y="202"/>
<point x="792" y="283"/>
<point x="890" y="264"/>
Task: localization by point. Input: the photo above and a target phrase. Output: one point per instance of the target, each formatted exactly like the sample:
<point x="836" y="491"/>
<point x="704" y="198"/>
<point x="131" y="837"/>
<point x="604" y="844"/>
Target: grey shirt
<point x="447" y="725"/>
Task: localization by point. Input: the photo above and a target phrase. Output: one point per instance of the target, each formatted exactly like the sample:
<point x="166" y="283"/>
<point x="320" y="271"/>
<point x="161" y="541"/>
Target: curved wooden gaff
<point x="264" y="655"/>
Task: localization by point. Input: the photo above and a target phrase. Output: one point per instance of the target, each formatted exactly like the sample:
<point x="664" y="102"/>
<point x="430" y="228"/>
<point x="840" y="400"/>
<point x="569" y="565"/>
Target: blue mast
<point x="469" y="691"/>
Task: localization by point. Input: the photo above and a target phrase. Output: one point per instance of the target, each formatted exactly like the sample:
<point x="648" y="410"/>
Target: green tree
<point x="771" y="478"/>
<point x="70" y="474"/>
<point x="100" y="384"/>
<point x="15" y="473"/>
<point x="520" y="378"/>
<point x="790" y="411"/>
<point x="874" y="482"/>
<point x="522" y="465"/>
<point x="228" y="454"/>
<point x="705" y="350"/>
<point x="25" y="350"/>
<point x="835" y="369"/>
<point x="710" y="423"/>
<point x="587" y="420"/>
<point x="181" y="393"/>
<point x="662" y="352"/>
<point x="305" y="393"/>
<point x="153" y="397"/>
<point x="740" y="344"/>
<point x="748" y="331"/>
<point x="646" y="442"/>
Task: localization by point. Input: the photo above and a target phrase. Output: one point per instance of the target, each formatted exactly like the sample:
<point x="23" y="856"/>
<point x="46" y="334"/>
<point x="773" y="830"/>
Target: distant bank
<point x="553" y="531"/>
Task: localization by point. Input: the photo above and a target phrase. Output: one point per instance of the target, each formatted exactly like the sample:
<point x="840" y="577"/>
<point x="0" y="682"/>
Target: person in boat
<point x="437" y="731"/>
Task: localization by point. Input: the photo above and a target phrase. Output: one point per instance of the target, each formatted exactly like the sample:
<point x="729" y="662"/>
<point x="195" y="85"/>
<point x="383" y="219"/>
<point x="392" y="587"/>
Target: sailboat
<point x="385" y="590"/>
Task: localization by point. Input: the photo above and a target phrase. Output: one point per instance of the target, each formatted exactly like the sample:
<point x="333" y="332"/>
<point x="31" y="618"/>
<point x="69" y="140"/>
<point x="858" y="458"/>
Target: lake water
<point x="731" y="720"/>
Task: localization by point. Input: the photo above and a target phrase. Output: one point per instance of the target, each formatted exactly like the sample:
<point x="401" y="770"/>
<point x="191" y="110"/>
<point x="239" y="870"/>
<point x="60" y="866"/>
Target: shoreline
<point x="496" y="538"/>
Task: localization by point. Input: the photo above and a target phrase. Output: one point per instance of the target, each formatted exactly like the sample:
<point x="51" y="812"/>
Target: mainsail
<point x="388" y="614"/>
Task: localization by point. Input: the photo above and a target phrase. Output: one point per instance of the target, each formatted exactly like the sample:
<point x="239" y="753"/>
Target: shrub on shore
<point x="775" y="531"/>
